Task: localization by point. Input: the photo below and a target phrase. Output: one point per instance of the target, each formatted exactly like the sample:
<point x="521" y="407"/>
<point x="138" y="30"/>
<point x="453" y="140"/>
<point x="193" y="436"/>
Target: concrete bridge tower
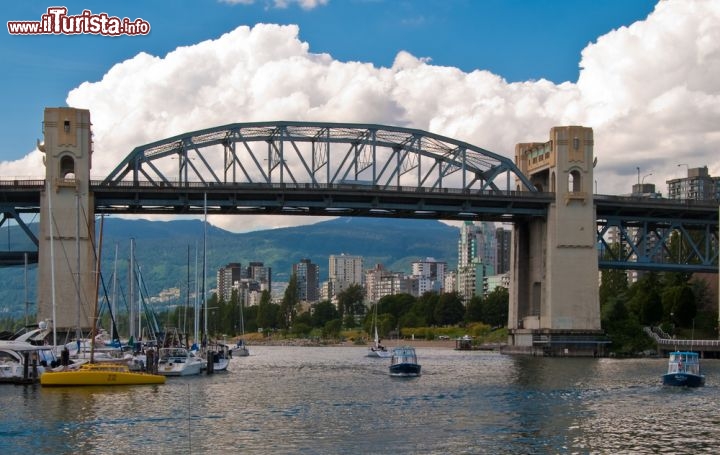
<point x="68" y="202"/>
<point x="554" y="302"/>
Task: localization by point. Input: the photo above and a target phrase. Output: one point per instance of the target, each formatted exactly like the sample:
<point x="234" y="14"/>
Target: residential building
<point x="343" y="271"/>
<point x="227" y="276"/>
<point x="450" y="284"/>
<point x="697" y="186"/>
<point x="307" y="275"/>
<point x="262" y="275"/>
<point x="430" y="275"/>
<point x="503" y="239"/>
<point x="477" y="258"/>
<point x="381" y="283"/>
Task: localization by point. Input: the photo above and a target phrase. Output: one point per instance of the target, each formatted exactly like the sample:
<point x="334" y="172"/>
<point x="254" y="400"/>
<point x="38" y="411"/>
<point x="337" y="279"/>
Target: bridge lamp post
<point x="672" y="323"/>
<point x="638" y="169"/>
<point x="646" y="175"/>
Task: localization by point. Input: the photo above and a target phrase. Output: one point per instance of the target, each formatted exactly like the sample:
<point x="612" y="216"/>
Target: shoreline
<point x="442" y="344"/>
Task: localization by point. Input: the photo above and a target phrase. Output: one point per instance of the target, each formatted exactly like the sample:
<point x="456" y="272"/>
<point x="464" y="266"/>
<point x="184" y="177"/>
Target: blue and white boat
<point x="684" y="370"/>
<point x="404" y="362"/>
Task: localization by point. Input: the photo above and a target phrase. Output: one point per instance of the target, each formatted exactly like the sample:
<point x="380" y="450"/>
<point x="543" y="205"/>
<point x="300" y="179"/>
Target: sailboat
<point x="240" y="349"/>
<point x="377" y="349"/>
<point x="97" y="374"/>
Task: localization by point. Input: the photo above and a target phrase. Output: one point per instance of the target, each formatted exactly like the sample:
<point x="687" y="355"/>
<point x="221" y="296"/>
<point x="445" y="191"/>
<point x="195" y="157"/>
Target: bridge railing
<point x="98" y="184"/>
<point x="20" y="183"/>
<point x="664" y="339"/>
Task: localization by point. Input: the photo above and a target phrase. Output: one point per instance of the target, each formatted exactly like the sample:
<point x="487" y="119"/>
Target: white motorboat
<point x="179" y="361"/>
<point x="14" y="355"/>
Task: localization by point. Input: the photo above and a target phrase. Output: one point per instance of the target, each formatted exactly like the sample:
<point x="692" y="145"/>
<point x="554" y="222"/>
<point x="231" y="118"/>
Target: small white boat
<point x="377" y="349"/>
<point x="240" y="349"/>
<point x="220" y="355"/>
<point x="179" y="361"/>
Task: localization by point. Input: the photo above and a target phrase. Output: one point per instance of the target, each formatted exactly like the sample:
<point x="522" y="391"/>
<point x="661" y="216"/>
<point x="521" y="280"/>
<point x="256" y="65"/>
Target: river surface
<point x="335" y="400"/>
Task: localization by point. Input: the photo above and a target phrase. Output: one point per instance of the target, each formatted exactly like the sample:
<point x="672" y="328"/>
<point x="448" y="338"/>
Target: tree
<point x="289" y="302"/>
<point x="324" y="312"/>
<point x="450" y="309"/>
<point x="350" y="300"/>
<point x="613" y="282"/>
<point x="332" y="329"/>
<point x="424" y="308"/>
<point x="267" y="314"/>
<point x="680" y="302"/>
<point x="474" y="309"/>
<point x="646" y="302"/>
<point x="495" y="307"/>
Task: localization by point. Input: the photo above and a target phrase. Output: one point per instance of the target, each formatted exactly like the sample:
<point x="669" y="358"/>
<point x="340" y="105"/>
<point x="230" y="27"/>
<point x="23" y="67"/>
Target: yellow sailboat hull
<point x="99" y="374"/>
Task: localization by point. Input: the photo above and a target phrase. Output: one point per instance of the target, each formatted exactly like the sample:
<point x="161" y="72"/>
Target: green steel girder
<point x="297" y="151"/>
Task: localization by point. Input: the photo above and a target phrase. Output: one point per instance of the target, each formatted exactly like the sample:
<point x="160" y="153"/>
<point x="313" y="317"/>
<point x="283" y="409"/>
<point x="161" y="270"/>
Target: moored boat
<point x="179" y="361"/>
<point x="240" y="349"/>
<point x="684" y="370"/>
<point x="99" y="374"/>
<point x="219" y="354"/>
<point x="404" y="362"/>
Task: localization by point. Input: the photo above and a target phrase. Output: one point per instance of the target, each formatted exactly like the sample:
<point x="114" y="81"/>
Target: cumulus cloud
<point x="650" y="91"/>
<point x="304" y="4"/>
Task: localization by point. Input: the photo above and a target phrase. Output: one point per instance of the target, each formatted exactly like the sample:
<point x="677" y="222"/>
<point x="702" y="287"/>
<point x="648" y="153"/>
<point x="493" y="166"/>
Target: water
<point x="334" y="400"/>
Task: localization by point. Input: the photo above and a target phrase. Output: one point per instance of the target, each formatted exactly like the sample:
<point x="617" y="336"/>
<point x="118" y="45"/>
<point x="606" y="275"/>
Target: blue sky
<point x="641" y="73"/>
<point x="515" y="39"/>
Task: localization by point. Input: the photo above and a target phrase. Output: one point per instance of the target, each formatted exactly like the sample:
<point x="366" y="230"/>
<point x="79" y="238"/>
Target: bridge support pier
<point x="554" y="301"/>
<point x="68" y="202"/>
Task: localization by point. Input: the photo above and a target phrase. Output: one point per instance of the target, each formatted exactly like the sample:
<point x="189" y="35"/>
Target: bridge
<point x="332" y="169"/>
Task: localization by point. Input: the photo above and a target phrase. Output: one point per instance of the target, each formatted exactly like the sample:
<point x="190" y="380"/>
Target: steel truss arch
<point x="319" y="154"/>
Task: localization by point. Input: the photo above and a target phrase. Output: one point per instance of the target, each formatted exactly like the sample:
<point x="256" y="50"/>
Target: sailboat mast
<point x="52" y="261"/>
<point x="114" y="292"/>
<point x="131" y="291"/>
<point x="205" y="331"/>
<point x="196" y="309"/>
<point x="93" y="330"/>
<point x="78" y="302"/>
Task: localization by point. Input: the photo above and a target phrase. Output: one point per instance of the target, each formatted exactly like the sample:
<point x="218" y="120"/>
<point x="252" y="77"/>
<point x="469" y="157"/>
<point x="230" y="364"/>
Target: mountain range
<point x="168" y="251"/>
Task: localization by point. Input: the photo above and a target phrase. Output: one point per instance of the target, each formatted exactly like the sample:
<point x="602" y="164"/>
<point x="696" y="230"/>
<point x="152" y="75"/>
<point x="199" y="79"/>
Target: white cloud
<point x="650" y="91"/>
<point x="304" y="4"/>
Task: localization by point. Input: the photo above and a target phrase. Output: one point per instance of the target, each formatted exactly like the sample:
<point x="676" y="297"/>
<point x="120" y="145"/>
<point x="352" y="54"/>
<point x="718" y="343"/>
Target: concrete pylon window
<point x="67" y="167"/>
<point x="574" y="181"/>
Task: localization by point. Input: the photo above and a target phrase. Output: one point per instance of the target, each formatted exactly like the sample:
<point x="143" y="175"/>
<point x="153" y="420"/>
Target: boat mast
<point x="95" y="317"/>
<point x="114" y="293"/>
<point x="204" y="295"/>
<point x="78" y="303"/>
<point x="196" y="309"/>
<point x="131" y="291"/>
<point x="52" y="261"/>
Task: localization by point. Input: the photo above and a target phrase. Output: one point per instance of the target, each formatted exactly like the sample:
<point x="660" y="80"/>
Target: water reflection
<point x="337" y="400"/>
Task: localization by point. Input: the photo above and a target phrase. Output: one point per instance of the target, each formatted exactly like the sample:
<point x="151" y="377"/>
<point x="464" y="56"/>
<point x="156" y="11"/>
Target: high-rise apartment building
<point x="227" y="277"/>
<point x="307" y="275"/>
<point x="380" y="283"/>
<point x="503" y="238"/>
<point x="477" y="258"/>
<point x="430" y="275"/>
<point x="344" y="270"/>
<point x="262" y="275"/>
<point x="697" y="186"/>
